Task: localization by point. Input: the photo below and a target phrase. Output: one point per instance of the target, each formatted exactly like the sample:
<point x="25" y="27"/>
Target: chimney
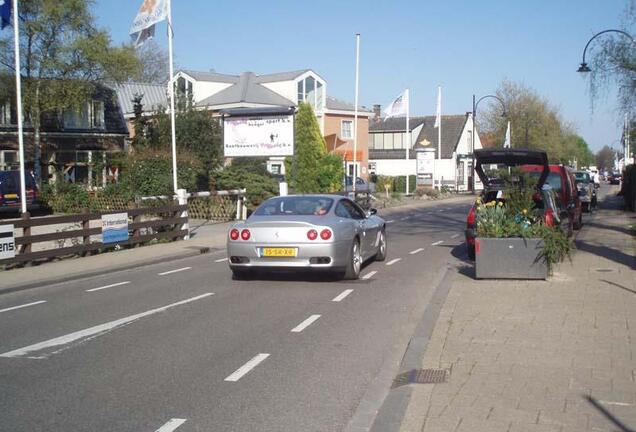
<point x="377" y="111"/>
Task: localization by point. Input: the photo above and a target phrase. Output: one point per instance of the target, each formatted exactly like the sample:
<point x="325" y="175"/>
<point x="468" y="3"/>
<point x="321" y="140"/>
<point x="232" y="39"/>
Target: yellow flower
<point x="525" y="211"/>
<point x="479" y="208"/>
<point x="500" y="204"/>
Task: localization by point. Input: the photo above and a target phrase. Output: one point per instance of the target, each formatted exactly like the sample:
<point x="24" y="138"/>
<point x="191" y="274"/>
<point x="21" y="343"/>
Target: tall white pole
<point x="439" y="137"/>
<point x="171" y="93"/>
<point x="355" y="115"/>
<point x="18" y="98"/>
<point x="408" y="137"/>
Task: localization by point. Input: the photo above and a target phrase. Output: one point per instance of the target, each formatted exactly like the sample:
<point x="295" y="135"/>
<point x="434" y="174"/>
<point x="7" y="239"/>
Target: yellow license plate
<point x="11" y="196"/>
<point x="279" y="252"/>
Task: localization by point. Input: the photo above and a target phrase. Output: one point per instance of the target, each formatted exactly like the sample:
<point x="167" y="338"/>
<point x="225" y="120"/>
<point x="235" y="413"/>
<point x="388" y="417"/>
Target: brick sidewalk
<point x="523" y="355"/>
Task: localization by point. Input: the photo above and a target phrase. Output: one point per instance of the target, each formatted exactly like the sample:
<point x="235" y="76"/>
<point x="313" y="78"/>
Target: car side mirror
<point x="372" y="212"/>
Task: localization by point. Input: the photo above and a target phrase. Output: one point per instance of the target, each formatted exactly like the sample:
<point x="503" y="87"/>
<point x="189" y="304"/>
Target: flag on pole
<point x="5" y="13"/>
<point x="438" y="116"/>
<point x="150" y="13"/>
<point x="507" y="140"/>
<point x="398" y="107"/>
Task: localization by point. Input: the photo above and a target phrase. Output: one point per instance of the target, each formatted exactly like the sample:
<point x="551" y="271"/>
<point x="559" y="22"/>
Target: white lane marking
<point x="108" y="286"/>
<point x="303" y="325"/>
<point x="23" y="306"/>
<point x="240" y="372"/>
<point x="221" y="260"/>
<point x="416" y="251"/>
<point x="437" y="243"/>
<point x="624" y="404"/>
<point x="406" y="218"/>
<point x="172" y="425"/>
<point x="340" y="297"/>
<point x="369" y="275"/>
<point x="454" y="236"/>
<point x="390" y="221"/>
<point x="440" y="210"/>
<point x="393" y="261"/>
<point x="174" y="271"/>
<point x="93" y="331"/>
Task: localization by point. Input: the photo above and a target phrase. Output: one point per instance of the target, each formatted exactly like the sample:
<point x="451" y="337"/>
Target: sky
<point x="467" y="47"/>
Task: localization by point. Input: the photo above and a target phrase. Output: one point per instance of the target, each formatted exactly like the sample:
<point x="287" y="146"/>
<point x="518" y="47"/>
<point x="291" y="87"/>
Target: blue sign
<point x="114" y="228"/>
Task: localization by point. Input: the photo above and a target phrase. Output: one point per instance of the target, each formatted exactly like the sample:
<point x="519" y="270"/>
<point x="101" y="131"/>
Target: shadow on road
<point x="608" y="415"/>
<point x="618" y="286"/>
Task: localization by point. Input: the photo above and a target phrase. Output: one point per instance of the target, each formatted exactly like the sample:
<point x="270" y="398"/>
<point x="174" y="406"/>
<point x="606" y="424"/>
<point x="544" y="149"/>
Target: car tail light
<point x="245" y="234"/>
<point x="471" y="217"/>
<point x="325" y="234"/>
<point x="312" y="234"/>
<point x="549" y="217"/>
<point x="537" y="197"/>
<point x="234" y="234"/>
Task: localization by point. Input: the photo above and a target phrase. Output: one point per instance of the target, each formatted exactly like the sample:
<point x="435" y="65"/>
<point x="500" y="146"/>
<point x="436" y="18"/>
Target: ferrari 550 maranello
<point x="310" y="232"/>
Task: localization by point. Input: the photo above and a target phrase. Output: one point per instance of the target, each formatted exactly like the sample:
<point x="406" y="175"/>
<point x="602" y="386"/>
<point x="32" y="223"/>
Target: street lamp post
<point x="584" y="68"/>
<point x="472" y="138"/>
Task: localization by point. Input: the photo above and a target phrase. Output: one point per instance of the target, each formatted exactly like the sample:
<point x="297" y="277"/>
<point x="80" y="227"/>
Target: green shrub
<point x="64" y="197"/>
<point x="258" y="186"/>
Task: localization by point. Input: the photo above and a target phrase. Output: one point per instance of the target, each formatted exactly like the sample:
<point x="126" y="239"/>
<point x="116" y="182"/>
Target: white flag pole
<point x="439" y="136"/>
<point x="355" y="115"/>
<point x="18" y="98"/>
<point x="171" y="93"/>
<point x="408" y="137"/>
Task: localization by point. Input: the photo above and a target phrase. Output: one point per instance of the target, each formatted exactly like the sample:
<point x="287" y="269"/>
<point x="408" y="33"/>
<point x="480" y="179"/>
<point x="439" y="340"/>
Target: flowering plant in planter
<point x="519" y="210"/>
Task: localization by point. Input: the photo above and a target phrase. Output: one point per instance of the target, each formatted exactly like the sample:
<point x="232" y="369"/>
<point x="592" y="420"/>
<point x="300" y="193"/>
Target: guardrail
<point x="169" y="225"/>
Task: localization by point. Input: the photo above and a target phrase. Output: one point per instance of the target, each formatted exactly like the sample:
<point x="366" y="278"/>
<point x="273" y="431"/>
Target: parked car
<point x="545" y="199"/>
<point x="562" y="181"/>
<point x="586" y="190"/>
<point x="614" y="178"/>
<point x="10" y="191"/>
<point x="361" y="185"/>
<point x="307" y="232"/>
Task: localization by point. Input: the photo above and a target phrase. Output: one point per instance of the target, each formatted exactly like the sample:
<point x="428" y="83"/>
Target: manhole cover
<point x="420" y="376"/>
<point x="605" y="270"/>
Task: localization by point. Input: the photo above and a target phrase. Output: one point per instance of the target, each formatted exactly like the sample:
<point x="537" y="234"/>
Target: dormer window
<point x="183" y="89"/>
<point x="87" y="116"/>
<point x="310" y="91"/>
<point x="5" y="113"/>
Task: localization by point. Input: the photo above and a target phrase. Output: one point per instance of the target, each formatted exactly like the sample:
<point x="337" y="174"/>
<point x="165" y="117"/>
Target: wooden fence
<point x="168" y="224"/>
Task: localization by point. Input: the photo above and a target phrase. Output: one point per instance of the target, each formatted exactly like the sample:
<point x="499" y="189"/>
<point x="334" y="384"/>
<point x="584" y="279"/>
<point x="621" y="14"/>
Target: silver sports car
<point x="313" y="232"/>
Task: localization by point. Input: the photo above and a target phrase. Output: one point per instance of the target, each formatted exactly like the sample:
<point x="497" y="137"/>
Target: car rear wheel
<point x="381" y="255"/>
<point x="355" y="262"/>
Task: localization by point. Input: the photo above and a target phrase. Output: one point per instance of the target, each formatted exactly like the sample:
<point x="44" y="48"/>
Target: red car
<point x="563" y="182"/>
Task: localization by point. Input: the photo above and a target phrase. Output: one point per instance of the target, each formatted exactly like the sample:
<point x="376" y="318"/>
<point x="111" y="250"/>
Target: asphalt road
<point x="182" y="347"/>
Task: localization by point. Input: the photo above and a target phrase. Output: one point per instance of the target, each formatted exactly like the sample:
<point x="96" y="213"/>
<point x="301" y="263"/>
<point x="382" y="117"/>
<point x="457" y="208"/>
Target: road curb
<point x="83" y="275"/>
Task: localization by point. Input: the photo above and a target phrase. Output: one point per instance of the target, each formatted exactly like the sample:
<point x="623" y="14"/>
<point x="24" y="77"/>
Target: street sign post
<point x="7" y="242"/>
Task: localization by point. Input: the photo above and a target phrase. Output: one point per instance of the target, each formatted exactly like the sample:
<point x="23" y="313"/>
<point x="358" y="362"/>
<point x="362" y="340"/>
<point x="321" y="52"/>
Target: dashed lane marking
<point x="92" y="331"/>
<point x="393" y="261"/>
<point x="454" y="236"/>
<point x="390" y="221"/>
<point x="416" y="251"/>
<point x="174" y="271"/>
<point x="243" y="370"/>
<point x="369" y="275"/>
<point x="220" y="260"/>
<point x="303" y="325"/>
<point x="23" y="306"/>
<point x="172" y="425"/>
<point x="437" y="243"/>
<point x="340" y="297"/>
<point x="108" y="286"/>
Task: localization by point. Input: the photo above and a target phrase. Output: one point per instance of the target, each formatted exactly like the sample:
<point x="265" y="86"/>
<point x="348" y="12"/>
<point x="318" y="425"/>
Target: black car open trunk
<point x="510" y="158"/>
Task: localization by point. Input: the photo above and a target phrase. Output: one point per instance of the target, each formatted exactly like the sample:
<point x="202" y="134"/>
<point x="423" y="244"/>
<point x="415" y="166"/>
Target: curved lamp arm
<point x="584" y="67"/>
<point x="503" y="104"/>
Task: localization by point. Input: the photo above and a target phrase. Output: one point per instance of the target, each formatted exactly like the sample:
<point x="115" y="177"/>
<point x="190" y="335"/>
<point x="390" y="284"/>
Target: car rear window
<point x="295" y="206"/>
<point x="554" y="179"/>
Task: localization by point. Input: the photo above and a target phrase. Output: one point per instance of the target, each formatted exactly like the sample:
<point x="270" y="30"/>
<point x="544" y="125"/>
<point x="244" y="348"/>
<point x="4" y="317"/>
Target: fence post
<point x="239" y="210"/>
<point x="86" y="225"/>
<point x="182" y="196"/>
<point x="136" y="219"/>
<point x="26" y="232"/>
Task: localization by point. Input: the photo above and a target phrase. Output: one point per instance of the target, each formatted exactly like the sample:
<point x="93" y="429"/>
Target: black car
<point x="546" y="201"/>
<point x="10" y="191"/>
<point x="614" y="178"/>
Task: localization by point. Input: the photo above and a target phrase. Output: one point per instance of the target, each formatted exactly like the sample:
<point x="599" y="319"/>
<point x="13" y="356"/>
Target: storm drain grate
<point x="420" y="376"/>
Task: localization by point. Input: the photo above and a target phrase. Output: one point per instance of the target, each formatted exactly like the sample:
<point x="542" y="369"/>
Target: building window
<point x="397" y="141"/>
<point x="97" y="115"/>
<point x="87" y="116"/>
<point x="5" y="113"/>
<point x="310" y="91"/>
<point x="183" y="92"/>
<point x="347" y="129"/>
<point x="388" y="141"/>
<point x="470" y="141"/>
<point x="376" y="141"/>
<point x="8" y="160"/>
<point x="275" y="169"/>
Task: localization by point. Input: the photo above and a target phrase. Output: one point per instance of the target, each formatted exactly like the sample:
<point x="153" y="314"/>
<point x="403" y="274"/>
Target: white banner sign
<point x="259" y="136"/>
<point x="425" y="163"/>
<point x="7" y="242"/>
<point x="114" y="227"/>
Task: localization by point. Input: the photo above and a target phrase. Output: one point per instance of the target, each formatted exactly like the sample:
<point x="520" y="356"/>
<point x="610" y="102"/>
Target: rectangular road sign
<point x="114" y="227"/>
<point x="7" y="242"/>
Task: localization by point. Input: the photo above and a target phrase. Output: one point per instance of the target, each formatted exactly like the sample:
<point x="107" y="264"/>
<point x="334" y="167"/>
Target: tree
<point x="311" y="170"/>
<point x="155" y="63"/>
<point x="63" y="56"/>
<point x="605" y="159"/>
<point x="535" y="124"/>
<point x="613" y="64"/>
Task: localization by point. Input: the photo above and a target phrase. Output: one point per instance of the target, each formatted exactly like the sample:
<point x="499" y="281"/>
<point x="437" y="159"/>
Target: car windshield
<point x="582" y="177"/>
<point x="295" y="206"/>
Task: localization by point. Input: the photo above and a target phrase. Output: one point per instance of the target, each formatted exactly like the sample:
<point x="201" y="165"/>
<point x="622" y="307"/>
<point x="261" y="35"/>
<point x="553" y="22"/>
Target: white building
<point x="387" y="147"/>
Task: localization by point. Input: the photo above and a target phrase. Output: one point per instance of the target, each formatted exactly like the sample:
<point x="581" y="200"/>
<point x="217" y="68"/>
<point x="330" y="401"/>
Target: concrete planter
<point x="509" y="258"/>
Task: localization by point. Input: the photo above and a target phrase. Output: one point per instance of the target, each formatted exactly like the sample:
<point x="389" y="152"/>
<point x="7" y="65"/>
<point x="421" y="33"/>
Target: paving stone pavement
<point x="524" y="356"/>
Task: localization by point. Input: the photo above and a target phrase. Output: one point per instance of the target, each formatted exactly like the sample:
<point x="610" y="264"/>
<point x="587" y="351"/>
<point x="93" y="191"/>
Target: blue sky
<point x="465" y="46"/>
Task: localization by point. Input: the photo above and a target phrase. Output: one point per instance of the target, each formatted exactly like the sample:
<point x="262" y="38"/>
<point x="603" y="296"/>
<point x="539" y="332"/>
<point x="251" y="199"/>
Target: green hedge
<point x="397" y="184"/>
